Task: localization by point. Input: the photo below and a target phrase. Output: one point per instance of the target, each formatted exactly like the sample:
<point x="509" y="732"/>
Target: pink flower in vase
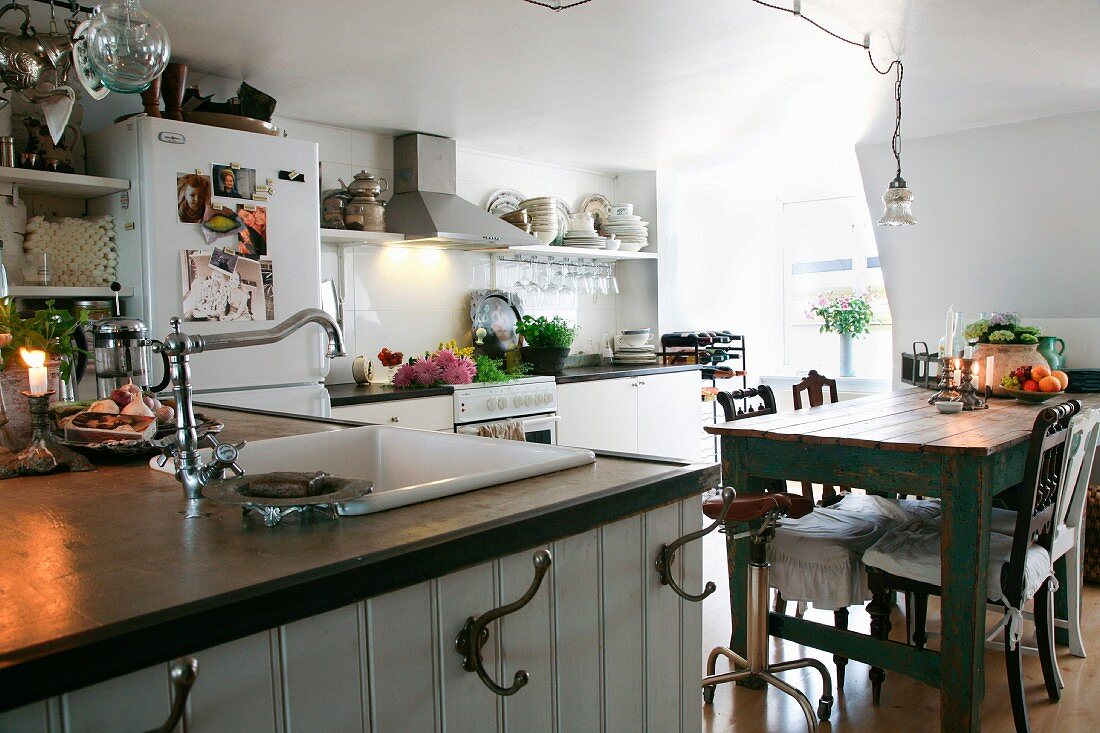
<point x="456" y="373"/>
<point x="444" y="357"/>
<point x="468" y="364"/>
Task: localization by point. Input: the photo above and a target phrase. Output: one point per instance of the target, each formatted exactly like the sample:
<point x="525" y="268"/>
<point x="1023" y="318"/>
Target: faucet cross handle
<point x="225" y="455"/>
<point x="168" y="450"/>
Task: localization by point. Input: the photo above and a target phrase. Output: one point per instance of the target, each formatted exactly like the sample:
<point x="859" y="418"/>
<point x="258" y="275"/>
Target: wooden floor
<point x="907" y="706"/>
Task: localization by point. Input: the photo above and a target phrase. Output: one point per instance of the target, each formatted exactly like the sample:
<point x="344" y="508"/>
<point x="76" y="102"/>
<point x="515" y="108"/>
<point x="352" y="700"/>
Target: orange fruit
<point x="1061" y="377"/>
<point x="1050" y="384"/>
<point x="1038" y="372"/>
<point x="1031" y="386"/>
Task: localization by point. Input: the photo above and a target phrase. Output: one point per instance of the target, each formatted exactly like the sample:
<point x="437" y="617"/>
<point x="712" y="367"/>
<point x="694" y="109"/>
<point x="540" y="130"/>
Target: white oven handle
<point x="530" y="424"/>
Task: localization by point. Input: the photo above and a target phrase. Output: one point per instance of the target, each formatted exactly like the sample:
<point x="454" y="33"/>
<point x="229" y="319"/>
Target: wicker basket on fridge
<point x="1092" y="536"/>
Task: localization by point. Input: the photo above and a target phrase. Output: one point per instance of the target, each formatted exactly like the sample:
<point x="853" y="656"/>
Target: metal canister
<point x="7" y="151"/>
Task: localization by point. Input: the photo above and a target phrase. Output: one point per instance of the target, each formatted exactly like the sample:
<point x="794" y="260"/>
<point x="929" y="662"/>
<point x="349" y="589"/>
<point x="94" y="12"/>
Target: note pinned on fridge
<point x="225" y="285"/>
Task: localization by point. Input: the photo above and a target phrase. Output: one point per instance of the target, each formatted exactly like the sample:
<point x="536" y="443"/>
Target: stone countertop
<point x="343" y="395"/>
<point x="618" y="371"/>
<point x="102" y="574"/>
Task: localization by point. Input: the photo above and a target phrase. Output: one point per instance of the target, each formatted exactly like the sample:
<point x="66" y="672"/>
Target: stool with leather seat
<point x="764" y="512"/>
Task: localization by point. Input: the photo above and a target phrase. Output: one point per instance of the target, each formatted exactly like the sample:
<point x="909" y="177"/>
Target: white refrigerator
<point x="275" y="271"/>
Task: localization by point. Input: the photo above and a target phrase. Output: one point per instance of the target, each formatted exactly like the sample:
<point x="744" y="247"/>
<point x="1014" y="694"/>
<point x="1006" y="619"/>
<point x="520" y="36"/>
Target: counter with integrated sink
<point x="102" y="574"/>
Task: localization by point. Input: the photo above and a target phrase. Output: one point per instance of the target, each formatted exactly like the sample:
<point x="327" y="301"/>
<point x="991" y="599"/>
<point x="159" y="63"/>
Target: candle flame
<point x="32" y="358"/>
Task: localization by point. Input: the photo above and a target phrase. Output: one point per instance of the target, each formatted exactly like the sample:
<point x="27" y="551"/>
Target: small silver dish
<point x="279" y="494"/>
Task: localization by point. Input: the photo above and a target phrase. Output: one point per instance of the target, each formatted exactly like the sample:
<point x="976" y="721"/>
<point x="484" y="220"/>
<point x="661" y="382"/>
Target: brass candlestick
<point x="968" y="393"/>
<point x="946" y="388"/>
<point x="44" y="454"/>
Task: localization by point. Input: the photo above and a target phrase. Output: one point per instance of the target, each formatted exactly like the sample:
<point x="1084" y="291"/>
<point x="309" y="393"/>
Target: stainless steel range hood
<point x="426" y="209"/>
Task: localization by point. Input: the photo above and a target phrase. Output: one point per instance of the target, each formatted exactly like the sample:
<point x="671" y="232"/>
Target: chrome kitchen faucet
<point x="183" y="448"/>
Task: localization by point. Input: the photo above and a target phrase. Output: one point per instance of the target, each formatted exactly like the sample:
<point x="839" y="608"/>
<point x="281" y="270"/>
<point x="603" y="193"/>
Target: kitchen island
<point x="347" y="625"/>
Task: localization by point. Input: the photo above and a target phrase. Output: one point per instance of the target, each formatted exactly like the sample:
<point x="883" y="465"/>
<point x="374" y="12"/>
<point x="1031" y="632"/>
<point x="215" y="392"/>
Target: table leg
<point x="967" y="509"/>
<point x="737" y="551"/>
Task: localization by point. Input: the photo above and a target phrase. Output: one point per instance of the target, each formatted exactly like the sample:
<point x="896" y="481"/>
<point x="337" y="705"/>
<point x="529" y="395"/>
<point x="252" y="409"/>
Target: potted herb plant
<point x="51" y="330"/>
<point x="547" y="342"/>
<point x="846" y="315"/>
<point x="1010" y="343"/>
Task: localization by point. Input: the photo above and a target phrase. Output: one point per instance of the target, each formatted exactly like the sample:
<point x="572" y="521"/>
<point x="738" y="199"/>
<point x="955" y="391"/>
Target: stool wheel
<point x="708" y="695"/>
<point x="824" y="708"/>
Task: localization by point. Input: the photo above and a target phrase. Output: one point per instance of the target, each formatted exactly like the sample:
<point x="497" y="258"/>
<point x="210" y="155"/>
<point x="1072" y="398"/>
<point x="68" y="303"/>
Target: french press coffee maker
<point x="121" y="347"/>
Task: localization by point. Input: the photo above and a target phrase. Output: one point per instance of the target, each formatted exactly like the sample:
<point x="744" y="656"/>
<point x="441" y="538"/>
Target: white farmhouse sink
<point x="408" y="466"/>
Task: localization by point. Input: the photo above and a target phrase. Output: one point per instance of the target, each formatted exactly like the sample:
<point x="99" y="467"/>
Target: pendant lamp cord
<point x="895" y="141"/>
<point x="557" y="7"/>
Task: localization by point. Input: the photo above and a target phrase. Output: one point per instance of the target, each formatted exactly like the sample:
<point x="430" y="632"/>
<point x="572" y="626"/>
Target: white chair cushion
<point x="912" y="550"/>
<point x="817" y="558"/>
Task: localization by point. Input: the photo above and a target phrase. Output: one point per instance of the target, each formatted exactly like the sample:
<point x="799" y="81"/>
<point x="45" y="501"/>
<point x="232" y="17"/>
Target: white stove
<point x="532" y="400"/>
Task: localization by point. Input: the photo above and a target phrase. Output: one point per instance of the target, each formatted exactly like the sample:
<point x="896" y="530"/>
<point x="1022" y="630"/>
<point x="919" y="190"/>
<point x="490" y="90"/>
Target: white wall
<point x="1007" y="222"/>
<point x="410" y="299"/>
<point x="721" y="259"/>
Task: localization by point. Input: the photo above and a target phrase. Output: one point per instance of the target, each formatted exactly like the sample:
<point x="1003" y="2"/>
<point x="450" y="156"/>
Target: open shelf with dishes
<point x="352" y="238"/>
<point x="62" y="291"/>
<point x="543" y="250"/>
<point x="30" y="181"/>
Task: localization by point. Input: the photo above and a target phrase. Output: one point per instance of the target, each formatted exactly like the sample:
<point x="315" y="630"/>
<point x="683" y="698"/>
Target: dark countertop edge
<point x="344" y="395"/>
<point x="593" y="373"/>
<point x="76" y="661"/>
<point x="288" y="415"/>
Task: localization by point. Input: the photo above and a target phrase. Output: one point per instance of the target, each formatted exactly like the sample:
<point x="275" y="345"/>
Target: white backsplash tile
<point x="331" y="173"/>
<point x="334" y="143"/>
<point x="370" y="150"/>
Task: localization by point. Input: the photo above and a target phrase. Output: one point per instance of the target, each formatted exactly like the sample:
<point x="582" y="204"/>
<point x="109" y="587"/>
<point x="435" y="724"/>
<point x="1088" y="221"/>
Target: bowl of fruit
<point x="1035" y="384"/>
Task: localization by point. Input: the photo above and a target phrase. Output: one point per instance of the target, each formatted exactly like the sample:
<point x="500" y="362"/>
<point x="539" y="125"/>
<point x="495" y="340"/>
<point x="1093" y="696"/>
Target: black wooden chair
<point x="908" y="559"/>
<point x="814" y="385"/>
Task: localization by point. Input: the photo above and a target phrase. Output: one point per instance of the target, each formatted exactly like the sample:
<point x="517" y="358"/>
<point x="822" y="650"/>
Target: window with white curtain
<point x="828" y="247"/>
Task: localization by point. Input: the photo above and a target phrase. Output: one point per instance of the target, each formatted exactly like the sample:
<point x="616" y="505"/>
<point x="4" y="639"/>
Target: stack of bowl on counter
<point x="632" y="347"/>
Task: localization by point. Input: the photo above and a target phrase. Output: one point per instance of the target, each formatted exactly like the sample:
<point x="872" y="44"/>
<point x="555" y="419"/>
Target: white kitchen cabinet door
<point x="236" y="688"/>
<point x="320" y="658"/>
<point x="137" y="701"/>
<point x="527" y="643"/>
<point x="689" y="569"/>
<point x="43" y="716"/>
<point x="468" y="705"/>
<point x="426" y="413"/>
<point x="668" y="415"/>
<point x="599" y="415"/>
<point x="401" y="648"/>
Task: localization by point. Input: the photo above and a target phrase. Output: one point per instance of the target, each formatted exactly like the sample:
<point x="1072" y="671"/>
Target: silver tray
<point x="119" y="449"/>
<point x="322" y="493"/>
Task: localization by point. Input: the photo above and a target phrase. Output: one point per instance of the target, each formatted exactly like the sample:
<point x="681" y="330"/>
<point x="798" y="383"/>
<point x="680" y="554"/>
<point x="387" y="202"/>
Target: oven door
<point x="536" y="428"/>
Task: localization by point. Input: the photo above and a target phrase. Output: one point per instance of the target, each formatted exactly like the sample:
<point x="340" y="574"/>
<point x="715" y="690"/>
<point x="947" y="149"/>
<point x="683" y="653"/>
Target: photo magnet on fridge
<point x="234" y="183"/>
<point x="193" y="191"/>
<point x="223" y="286"/>
<point x="252" y="239"/>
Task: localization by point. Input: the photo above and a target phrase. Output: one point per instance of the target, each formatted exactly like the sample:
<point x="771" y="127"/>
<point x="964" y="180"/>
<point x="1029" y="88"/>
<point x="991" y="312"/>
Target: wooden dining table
<point x="896" y="443"/>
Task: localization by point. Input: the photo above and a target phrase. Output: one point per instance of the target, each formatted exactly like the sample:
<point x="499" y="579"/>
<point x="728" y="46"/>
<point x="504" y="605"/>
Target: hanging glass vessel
<point x="899" y="205"/>
<point x="127" y="47"/>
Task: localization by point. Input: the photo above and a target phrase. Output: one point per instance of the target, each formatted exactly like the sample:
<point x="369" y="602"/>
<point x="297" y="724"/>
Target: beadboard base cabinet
<point x="607" y="647"/>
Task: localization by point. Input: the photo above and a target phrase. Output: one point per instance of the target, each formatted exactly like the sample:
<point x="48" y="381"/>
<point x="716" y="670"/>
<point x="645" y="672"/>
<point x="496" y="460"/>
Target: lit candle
<point x="36" y="370"/>
<point x="958" y="371"/>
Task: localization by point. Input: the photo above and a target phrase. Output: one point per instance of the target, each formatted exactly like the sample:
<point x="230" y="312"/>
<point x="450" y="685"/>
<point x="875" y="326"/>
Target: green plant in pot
<point x="50" y="329"/>
<point x="547" y="342"/>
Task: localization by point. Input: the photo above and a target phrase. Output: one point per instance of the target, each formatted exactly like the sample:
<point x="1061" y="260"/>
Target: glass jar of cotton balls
<point x="80" y="252"/>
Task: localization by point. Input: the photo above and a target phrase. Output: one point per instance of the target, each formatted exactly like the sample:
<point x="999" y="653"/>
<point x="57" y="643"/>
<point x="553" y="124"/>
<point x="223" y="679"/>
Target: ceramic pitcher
<point x="1053" y="350"/>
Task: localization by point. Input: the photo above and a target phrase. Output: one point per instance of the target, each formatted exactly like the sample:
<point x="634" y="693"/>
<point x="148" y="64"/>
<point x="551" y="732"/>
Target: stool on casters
<point x="729" y="510"/>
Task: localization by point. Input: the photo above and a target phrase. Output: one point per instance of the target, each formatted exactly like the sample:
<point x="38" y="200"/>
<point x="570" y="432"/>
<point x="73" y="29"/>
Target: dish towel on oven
<point x="506" y="429"/>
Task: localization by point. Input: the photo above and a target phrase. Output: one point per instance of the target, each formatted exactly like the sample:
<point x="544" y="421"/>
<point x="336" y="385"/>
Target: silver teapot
<point x="364" y="212"/>
<point x="27" y="58"/>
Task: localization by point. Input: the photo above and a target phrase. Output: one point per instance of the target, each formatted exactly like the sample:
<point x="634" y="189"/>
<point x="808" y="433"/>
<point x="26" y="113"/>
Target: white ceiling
<point x="646" y="83"/>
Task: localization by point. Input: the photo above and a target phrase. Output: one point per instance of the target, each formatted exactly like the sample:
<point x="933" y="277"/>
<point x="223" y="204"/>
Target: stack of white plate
<point x="630" y="230"/>
<point x="635" y="355"/>
<point x="548" y="216"/>
<point x="585" y="237"/>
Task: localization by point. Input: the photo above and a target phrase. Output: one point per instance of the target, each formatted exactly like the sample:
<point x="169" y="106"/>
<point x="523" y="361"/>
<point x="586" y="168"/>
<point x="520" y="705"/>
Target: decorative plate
<point x="1032" y="398"/>
<point x="88" y="78"/>
<point x="504" y="201"/>
<point x="493" y="318"/>
<point x="275" y="495"/>
<point x="598" y="206"/>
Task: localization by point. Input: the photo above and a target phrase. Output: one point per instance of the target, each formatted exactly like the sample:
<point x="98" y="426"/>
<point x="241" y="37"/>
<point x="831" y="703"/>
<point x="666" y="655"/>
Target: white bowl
<point x="949" y="408"/>
<point x="622" y="209"/>
<point x="546" y="237"/>
<point x="611" y="244"/>
<point x="634" y="339"/>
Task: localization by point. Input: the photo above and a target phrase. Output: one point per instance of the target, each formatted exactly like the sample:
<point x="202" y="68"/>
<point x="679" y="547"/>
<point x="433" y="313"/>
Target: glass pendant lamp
<point x="898" y="200"/>
<point x="127" y="47"/>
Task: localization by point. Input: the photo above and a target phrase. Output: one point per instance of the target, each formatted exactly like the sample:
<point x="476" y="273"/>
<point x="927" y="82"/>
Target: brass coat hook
<point x="667" y="554"/>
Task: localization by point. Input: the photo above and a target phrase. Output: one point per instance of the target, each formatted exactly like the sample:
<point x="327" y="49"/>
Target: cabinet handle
<point x="667" y="553"/>
<point x="182" y="672"/>
<point x="475" y="633"/>
<point x="395" y="418"/>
